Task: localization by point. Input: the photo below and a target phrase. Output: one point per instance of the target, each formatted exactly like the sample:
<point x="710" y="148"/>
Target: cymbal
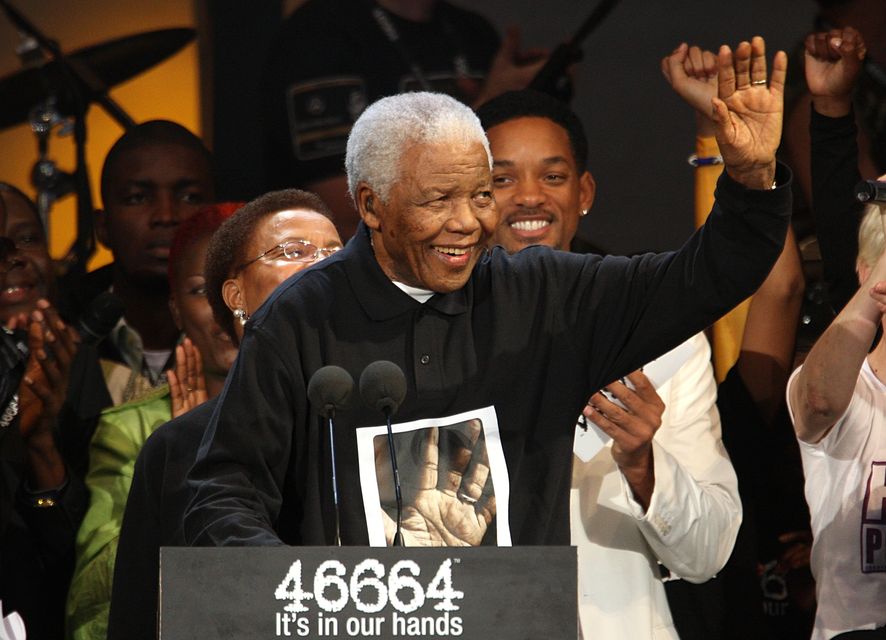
<point x="112" y="62"/>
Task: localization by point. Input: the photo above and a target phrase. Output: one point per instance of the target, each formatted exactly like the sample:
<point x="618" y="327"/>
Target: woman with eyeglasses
<point x="253" y="252"/>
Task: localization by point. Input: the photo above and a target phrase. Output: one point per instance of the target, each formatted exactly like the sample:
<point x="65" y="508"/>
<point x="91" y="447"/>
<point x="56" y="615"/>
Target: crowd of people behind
<point x="746" y="503"/>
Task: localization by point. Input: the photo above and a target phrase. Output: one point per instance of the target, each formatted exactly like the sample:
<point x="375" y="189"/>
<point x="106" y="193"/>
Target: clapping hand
<point x="52" y="345"/>
<point x="631" y="425"/>
<point x="187" y="385"/>
<point x="44" y="387"/>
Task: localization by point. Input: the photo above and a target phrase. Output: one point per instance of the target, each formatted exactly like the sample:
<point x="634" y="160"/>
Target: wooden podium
<point x="473" y="593"/>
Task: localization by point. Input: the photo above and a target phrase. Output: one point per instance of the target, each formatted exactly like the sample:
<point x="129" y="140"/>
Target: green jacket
<point x="121" y="432"/>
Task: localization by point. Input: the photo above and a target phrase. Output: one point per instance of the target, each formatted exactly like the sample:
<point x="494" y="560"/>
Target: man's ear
<point x="368" y="206"/>
<point x="176" y="314"/>
<point x="233" y="296"/>
<point x="587" y="189"/>
<point x="100" y="221"/>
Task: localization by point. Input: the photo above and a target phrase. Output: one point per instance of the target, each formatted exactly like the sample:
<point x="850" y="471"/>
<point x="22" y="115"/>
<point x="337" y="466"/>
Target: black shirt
<point x="331" y="60"/>
<point x="530" y="335"/>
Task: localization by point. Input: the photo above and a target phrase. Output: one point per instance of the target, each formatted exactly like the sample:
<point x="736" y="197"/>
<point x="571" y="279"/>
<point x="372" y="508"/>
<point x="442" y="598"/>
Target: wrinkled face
<point x="152" y="189"/>
<point x="538" y="188"/>
<point x="259" y="279"/>
<point x="26" y="274"/>
<point x="192" y="312"/>
<point x="439" y="216"/>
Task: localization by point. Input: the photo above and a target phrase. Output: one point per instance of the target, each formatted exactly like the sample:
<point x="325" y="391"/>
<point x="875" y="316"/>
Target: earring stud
<point x="241" y="315"/>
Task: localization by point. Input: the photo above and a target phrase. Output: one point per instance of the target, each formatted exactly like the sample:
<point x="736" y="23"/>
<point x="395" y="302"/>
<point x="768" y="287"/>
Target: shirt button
<point x="425" y="359"/>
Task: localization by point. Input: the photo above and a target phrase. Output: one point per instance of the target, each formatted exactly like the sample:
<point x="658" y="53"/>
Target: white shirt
<point x="846" y="493"/>
<point x="690" y="526"/>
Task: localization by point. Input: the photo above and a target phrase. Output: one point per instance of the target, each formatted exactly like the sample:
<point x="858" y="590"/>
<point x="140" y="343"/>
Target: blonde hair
<point x="871" y="237"/>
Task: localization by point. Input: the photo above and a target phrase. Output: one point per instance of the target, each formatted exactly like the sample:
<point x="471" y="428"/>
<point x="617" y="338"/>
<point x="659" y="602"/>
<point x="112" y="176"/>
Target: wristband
<point x="704" y="161"/>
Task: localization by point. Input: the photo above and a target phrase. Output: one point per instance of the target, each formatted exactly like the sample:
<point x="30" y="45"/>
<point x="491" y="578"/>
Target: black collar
<point x="380" y="298"/>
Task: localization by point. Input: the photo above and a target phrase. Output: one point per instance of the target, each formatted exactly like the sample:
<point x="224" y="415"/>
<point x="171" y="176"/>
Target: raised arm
<point x="692" y="74"/>
<point x="770" y="332"/>
<point x="820" y="393"/>
<point x="672" y="296"/>
<point x="833" y="63"/>
<point x="747" y="113"/>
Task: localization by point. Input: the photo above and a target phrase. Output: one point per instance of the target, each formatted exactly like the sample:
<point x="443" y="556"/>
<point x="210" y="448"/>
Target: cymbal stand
<point x="51" y="182"/>
<point x="79" y="78"/>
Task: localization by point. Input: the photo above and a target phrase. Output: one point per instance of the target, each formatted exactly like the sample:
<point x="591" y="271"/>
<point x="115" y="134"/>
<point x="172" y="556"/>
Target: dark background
<point x="640" y="132"/>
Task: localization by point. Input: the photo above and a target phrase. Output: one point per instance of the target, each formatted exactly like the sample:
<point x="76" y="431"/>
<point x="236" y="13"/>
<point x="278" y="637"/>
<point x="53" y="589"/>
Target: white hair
<point x="387" y="127"/>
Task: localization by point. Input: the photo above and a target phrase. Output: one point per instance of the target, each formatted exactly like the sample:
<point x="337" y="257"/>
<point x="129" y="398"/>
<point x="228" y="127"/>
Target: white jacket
<point x="690" y="526"/>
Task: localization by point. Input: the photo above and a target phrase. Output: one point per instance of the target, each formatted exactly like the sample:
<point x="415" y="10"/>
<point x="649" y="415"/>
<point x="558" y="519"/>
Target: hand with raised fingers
<point x="449" y="500"/>
<point x="44" y="387"/>
<point x="512" y="68"/>
<point x="748" y="112"/>
<point x="187" y="384"/>
<point x="631" y="422"/>
<point x="833" y="60"/>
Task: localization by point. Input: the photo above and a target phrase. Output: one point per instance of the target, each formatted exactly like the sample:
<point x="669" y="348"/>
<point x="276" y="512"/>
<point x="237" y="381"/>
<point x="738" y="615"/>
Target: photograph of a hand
<point x="448" y="498"/>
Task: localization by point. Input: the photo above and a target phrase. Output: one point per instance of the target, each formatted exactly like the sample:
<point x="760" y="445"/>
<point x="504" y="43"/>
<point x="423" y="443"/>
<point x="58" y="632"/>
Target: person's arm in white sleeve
<point x="693" y="517"/>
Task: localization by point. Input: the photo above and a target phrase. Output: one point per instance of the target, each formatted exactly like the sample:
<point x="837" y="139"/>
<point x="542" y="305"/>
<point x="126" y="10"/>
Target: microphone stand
<point x="77" y="75"/>
<point x="334" y="479"/>
<point x="398" y="535"/>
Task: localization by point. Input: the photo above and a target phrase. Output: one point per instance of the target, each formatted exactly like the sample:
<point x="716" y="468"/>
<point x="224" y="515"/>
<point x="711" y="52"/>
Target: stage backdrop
<point x="640" y="133"/>
<point x="170" y="90"/>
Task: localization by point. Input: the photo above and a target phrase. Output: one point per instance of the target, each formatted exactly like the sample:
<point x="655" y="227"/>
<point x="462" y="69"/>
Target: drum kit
<point x="53" y="92"/>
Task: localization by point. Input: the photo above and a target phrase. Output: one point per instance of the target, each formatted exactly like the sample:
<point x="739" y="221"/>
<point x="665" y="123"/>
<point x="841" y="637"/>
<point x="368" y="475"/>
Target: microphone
<point x="383" y="387"/>
<point x="871" y="191"/>
<point x="102" y="315"/>
<point x="329" y="390"/>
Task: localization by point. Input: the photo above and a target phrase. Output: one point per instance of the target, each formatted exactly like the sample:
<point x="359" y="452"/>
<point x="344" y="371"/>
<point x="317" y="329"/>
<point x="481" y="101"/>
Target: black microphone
<point x="102" y="315"/>
<point x="871" y="191"/>
<point x="329" y="390"/>
<point x="383" y="387"/>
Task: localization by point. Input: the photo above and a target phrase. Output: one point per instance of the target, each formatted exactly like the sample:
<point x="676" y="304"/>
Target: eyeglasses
<point x="294" y="251"/>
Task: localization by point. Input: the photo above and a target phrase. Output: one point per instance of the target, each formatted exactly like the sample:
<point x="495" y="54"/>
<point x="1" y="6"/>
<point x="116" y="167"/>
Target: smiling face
<point x="27" y="273"/>
<point x="151" y="190"/>
<point x="538" y="188"/>
<point x="192" y="312"/>
<point x="438" y="218"/>
<point x="253" y="284"/>
<point x="263" y="276"/>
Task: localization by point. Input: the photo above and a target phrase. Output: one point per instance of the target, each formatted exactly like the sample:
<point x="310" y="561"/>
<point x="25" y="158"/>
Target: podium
<point x="473" y="593"/>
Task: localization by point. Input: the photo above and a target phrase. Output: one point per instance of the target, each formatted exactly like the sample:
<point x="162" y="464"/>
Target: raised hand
<point x="187" y="385"/>
<point x="692" y="73"/>
<point x="449" y="501"/>
<point x="631" y="425"/>
<point x="512" y="69"/>
<point x="833" y="60"/>
<point x="747" y="113"/>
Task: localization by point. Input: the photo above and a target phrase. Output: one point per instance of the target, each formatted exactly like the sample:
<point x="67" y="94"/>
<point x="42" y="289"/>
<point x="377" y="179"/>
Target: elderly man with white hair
<point x="500" y="353"/>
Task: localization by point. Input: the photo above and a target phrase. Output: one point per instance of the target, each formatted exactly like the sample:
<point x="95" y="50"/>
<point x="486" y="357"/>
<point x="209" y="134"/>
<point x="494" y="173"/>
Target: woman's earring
<point x="583" y="212"/>
<point x="241" y="315"/>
